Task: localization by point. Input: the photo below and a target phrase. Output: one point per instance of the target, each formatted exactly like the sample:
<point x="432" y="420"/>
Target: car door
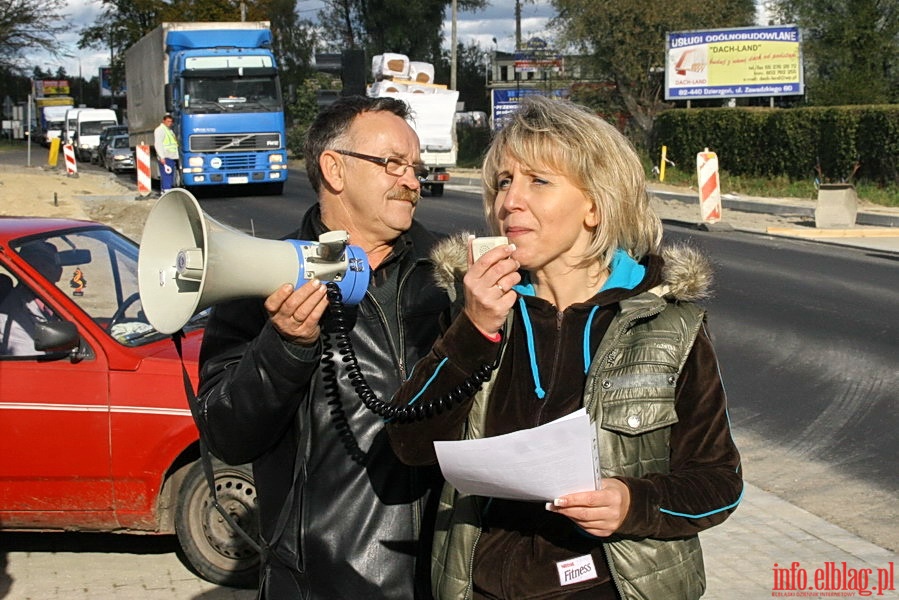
<point x="54" y="430"/>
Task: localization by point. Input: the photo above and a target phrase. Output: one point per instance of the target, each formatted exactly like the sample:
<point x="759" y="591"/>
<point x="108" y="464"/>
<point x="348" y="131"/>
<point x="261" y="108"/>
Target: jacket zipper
<point x="612" y="571"/>
<point x="555" y="365"/>
<point x="610" y="357"/>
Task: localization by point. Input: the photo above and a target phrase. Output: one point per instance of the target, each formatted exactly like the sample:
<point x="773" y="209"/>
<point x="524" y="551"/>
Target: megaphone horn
<point x="188" y="261"/>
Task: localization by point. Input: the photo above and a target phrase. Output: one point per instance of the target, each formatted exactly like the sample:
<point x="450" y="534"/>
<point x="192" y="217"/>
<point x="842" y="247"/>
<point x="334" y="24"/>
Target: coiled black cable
<point x="338" y="416"/>
<point x="399" y="414"/>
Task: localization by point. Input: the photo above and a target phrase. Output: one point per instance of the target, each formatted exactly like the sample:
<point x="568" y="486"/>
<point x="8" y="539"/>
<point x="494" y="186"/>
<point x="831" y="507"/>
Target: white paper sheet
<point x="537" y="464"/>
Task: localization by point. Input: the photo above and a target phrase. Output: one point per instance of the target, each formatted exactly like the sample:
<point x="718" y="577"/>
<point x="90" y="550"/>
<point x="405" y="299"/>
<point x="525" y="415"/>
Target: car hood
<point x="165" y="349"/>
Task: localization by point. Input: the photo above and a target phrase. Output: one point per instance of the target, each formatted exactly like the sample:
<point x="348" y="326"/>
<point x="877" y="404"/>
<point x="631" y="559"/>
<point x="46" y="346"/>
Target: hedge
<point x="833" y="144"/>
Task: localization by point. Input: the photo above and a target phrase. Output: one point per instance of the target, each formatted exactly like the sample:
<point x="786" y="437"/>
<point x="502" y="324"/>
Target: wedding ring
<point x="298" y="321"/>
<point x="501" y="288"/>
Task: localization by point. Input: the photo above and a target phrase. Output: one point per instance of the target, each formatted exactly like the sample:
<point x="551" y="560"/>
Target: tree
<point x="27" y="26"/>
<point x="470" y="77"/>
<point x="850" y="48"/>
<point x="625" y="41"/>
<point x="410" y="27"/>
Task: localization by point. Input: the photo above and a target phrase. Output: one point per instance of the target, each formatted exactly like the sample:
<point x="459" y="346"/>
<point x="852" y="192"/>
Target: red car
<point x="95" y="428"/>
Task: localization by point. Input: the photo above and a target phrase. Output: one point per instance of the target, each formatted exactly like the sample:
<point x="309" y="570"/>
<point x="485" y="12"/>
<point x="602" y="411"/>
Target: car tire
<point x="211" y="548"/>
<point x="436" y="189"/>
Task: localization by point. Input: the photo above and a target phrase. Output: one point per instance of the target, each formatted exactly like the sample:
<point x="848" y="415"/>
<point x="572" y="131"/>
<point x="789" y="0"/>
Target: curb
<point x="770" y="207"/>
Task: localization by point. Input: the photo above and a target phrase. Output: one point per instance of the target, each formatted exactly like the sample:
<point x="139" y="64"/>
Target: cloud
<point x="480" y="27"/>
<point x="78" y="14"/>
<point x="498" y="21"/>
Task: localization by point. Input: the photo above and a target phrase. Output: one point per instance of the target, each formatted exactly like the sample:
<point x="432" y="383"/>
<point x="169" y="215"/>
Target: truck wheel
<point x="436" y="189"/>
<point x="212" y="549"/>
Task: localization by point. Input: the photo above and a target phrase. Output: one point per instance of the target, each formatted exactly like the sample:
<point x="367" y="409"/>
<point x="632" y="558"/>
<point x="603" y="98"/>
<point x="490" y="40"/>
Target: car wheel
<point x="215" y="551"/>
<point x="436" y="189"/>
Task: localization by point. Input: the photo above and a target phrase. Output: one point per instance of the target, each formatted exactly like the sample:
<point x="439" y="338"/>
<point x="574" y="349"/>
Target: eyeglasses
<point x="393" y="165"/>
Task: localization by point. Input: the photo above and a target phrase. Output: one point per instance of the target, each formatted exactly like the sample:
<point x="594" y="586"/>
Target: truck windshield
<point x="243" y="94"/>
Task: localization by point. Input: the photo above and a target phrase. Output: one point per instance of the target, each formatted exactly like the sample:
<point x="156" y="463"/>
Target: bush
<point x="473" y="143"/>
<point x="830" y="144"/>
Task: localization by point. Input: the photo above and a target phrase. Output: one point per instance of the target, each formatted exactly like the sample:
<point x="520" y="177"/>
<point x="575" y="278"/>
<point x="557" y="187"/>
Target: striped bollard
<point x="142" y="158"/>
<point x="709" y="186"/>
<point x="71" y="166"/>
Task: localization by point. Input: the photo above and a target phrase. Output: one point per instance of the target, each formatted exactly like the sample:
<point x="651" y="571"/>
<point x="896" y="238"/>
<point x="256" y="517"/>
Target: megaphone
<point x="188" y="261"/>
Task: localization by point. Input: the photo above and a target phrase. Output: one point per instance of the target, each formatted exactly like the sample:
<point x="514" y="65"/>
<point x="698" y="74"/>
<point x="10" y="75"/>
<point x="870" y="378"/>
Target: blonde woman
<point x="582" y="308"/>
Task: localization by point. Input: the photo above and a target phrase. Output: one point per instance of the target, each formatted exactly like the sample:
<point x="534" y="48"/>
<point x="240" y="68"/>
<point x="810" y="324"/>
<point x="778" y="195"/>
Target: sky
<point x="481" y="27"/>
<point x="497" y="21"/>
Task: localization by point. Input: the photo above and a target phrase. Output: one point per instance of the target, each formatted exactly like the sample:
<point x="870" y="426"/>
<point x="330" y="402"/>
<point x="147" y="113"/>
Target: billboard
<point x="505" y="101"/>
<point x="51" y="87"/>
<point x="106" y="90"/>
<point x="734" y="63"/>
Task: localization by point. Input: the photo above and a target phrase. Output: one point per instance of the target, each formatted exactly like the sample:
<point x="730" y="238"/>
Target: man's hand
<point x="599" y="513"/>
<point x="296" y="313"/>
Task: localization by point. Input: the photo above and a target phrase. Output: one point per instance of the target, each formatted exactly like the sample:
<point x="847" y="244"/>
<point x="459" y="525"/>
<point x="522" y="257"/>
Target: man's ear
<point x="333" y="170"/>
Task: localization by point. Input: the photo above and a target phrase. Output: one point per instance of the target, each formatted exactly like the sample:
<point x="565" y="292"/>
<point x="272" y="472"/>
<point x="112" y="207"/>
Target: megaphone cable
<point x="390" y="412"/>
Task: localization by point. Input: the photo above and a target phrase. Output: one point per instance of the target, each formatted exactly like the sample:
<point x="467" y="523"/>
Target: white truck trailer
<point x="433" y="110"/>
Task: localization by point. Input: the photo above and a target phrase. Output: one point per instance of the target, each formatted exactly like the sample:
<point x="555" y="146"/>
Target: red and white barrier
<point x="709" y="186"/>
<point x="142" y="158"/>
<point x="71" y="166"/>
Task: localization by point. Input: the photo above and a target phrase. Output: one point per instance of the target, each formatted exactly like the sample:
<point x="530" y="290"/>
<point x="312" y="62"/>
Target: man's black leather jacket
<point x="339" y="513"/>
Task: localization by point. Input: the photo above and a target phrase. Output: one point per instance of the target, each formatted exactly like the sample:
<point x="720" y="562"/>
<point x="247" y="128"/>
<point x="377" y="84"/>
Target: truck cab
<point x="53" y="120"/>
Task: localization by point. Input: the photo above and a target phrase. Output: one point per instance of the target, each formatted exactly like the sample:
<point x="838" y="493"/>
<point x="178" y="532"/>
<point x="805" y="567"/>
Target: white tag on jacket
<point x="576" y="570"/>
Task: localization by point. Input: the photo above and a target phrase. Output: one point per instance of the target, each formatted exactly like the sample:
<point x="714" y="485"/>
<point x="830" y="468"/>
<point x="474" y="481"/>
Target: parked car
<point x="108" y="132"/>
<point x="95" y="428"/>
<point x="118" y="155"/>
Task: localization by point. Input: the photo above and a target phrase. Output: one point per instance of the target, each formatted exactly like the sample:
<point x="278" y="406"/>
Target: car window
<point x="21" y="310"/>
<point x="99" y="274"/>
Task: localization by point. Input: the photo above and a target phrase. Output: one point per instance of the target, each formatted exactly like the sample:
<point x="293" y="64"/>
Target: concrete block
<point x="837" y="205"/>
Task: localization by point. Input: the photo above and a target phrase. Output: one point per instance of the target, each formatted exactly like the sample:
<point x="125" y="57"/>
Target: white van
<point x="89" y="123"/>
<point x="71" y="122"/>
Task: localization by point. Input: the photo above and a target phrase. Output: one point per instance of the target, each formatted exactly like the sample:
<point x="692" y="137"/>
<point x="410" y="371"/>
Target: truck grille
<point x="235" y="142"/>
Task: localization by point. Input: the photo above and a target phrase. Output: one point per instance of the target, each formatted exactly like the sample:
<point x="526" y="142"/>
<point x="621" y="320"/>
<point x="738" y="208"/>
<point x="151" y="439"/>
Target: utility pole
<point x="517" y="25"/>
<point x="453" y="57"/>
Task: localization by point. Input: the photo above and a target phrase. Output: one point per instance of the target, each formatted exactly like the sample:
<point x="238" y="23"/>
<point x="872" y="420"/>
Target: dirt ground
<point x="48" y="192"/>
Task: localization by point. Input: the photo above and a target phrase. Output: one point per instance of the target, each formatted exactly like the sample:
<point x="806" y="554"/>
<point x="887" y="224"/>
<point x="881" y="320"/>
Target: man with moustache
<point x="341" y="517"/>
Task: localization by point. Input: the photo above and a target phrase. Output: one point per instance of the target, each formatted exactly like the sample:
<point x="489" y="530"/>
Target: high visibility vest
<point x="170" y="142"/>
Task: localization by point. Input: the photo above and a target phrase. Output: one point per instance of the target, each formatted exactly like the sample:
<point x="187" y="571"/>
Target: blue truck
<point x="220" y="83"/>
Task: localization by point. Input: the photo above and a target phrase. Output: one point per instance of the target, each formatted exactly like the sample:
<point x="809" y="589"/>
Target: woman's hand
<point x="599" y="513"/>
<point x="488" y="288"/>
<point x="296" y="313"/>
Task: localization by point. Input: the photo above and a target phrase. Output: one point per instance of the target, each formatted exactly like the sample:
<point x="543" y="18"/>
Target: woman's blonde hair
<point x="566" y="138"/>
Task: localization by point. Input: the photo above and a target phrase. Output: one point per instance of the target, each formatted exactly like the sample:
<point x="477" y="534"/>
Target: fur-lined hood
<point x="686" y="275"/>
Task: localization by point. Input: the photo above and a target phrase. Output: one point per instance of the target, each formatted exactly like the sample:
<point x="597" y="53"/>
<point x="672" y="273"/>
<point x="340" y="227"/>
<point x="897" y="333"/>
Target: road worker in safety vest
<point x="166" y="145"/>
